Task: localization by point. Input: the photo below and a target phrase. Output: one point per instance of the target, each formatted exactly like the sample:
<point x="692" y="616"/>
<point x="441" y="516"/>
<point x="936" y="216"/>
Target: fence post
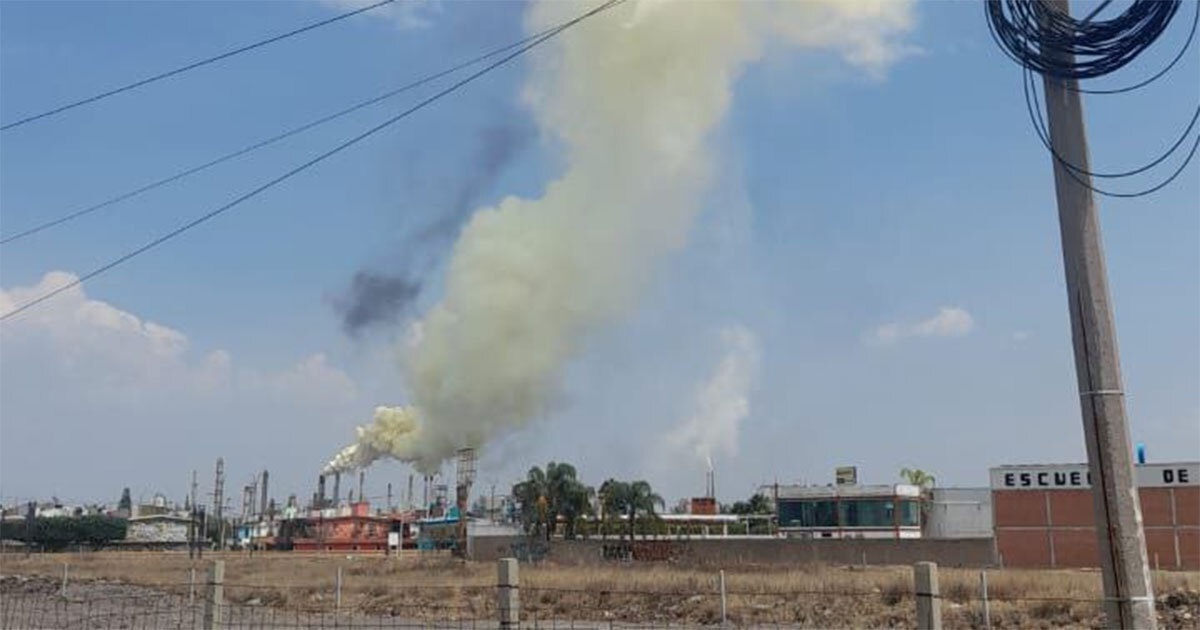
<point x="191" y="587"/>
<point x="929" y="601"/>
<point x="216" y="595"/>
<point x="338" y="601"/>
<point x="64" y="580"/>
<point x="724" y="619"/>
<point x="987" y="613"/>
<point x="508" y="593"/>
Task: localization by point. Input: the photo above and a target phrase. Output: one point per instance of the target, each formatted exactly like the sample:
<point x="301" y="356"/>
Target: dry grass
<point x="438" y="587"/>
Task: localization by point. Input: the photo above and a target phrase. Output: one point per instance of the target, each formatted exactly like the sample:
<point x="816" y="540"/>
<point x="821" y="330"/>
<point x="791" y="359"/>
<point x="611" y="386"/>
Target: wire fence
<point x="201" y="603"/>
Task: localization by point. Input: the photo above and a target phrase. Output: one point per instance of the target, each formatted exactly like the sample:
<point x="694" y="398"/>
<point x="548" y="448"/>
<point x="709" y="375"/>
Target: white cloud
<point x="84" y="379"/>
<point x="405" y="14"/>
<point x="868" y="34"/>
<point x="949" y="321"/>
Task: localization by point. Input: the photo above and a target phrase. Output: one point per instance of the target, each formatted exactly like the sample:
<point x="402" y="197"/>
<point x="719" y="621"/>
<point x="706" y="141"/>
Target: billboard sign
<point x="846" y="475"/>
<point x="1072" y="476"/>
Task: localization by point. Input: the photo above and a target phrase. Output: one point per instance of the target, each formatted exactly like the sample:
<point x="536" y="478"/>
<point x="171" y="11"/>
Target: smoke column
<point x="632" y="95"/>
<point x="723" y="400"/>
<point x="377" y="297"/>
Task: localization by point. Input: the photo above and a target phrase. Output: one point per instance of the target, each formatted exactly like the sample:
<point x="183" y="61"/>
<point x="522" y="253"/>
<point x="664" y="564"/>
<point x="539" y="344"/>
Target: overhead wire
<point x="309" y="163"/>
<point x="1187" y="43"/>
<point x="1121" y="90"/>
<point x="1040" y="36"/>
<point x="191" y="66"/>
<point x="1046" y="40"/>
<point x="266" y="142"/>
<point x="1035" y="115"/>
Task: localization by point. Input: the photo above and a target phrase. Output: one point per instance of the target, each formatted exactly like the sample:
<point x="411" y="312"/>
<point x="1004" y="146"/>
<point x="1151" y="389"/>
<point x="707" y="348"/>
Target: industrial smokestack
<point x="362" y="474"/>
<point x="263" y="511"/>
<point x="320" y="492"/>
<point x="337" y="488"/>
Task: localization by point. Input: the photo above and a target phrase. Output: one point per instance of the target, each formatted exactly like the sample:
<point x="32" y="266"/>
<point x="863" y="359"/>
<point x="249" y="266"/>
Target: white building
<point x="157" y="529"/>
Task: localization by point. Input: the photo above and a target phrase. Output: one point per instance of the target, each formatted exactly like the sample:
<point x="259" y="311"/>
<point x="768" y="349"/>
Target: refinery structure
<point x="1035" y="516"/>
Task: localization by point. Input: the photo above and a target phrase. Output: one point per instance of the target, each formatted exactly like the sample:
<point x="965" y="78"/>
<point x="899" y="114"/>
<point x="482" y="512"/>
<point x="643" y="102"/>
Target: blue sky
<point x="846" y="201"/>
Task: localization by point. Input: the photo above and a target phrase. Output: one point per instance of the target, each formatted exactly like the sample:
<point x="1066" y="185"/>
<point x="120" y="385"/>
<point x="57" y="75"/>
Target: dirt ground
<point x="433" y="589"/>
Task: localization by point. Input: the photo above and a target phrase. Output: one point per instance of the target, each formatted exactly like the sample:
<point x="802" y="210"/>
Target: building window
<point x="910" y="513"/>
<point x="867" y="512"/>
<point x="807" y="514"/>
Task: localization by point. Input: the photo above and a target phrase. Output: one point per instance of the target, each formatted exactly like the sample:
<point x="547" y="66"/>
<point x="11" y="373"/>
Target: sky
<point x="873" y="275"/>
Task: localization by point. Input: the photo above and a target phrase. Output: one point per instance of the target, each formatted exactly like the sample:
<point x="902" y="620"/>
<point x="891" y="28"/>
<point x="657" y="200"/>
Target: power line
<point x="1075" y="172"/>
<point x="191" y="66"/>
<point x="312" y="162"/>
<point x="267" y="142"/>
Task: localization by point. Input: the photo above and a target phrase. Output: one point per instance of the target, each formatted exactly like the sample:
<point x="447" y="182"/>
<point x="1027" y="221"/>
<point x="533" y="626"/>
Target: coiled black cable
<point x="1046" y="40"/>
<point x="1052" y="43"/>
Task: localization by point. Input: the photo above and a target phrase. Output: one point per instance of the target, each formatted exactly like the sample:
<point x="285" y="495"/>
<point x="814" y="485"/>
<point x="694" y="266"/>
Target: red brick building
<point x="1043" y="515"/>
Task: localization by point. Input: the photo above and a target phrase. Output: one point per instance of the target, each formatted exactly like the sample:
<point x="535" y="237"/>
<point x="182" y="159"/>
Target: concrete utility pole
<point x="1129" y="597"/>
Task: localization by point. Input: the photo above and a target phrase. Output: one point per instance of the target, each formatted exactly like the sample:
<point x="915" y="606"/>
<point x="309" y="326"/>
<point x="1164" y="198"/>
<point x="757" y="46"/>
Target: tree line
<point x="555" y="496"/>
<point x="54" y="533"/>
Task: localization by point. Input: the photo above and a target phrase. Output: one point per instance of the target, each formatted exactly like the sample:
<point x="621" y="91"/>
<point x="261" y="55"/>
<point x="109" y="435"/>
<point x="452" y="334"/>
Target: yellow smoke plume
<point x="633" y="96"/>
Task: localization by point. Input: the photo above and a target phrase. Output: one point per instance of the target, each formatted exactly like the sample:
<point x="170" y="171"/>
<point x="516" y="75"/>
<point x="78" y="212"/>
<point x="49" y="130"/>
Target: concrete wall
<point x="959" y="513"/>
<point x="720" y="553"/>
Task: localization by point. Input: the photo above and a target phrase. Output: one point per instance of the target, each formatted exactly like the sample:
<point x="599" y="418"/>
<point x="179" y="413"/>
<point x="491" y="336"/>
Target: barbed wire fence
<point x="209" y="602"/>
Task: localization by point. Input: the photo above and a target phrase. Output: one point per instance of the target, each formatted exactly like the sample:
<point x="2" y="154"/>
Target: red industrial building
<point x="1043" y="515"/>
<point x="352" y="529"/>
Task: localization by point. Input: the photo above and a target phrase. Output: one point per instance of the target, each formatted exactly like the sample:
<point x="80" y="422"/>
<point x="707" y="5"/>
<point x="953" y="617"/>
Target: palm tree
<point x="917" y="477"/>
<point x="640" y="499"/>
<point x="611" y="498"/>
<point x="530" y="495"/>
<point x="544" y="496"/>
<point x="560" y="483"/>
<point x="576" y="501"/>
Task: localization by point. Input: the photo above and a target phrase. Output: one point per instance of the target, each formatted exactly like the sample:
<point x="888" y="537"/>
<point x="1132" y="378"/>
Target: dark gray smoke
<point x="378" y="296"/>
<point x="375" y="298"/>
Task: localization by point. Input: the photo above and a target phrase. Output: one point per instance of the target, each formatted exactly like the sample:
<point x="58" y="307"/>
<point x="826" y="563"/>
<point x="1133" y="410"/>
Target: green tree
<point x="756" y="504"/>
<point x="917" y="477"/>
<point x="546" y="495"/>
<point x="640" y="501"/>
<point x="611" y="497"/>
<point x="59" y="532"/>
<point x="530" y="496"/>
<point x="97" y="531"/>
<point x="632" y="499"/>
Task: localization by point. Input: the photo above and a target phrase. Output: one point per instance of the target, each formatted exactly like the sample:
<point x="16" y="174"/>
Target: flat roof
<point x="160" y="517"/>
<point x="797" y="491"/>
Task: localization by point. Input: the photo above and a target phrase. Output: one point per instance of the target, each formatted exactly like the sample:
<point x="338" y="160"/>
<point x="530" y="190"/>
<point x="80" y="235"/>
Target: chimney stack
<point x="263" y="512"/>
<point x="362" y="475"/>
<point x="320" y="492"/>
<point x="337" y="488"/>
